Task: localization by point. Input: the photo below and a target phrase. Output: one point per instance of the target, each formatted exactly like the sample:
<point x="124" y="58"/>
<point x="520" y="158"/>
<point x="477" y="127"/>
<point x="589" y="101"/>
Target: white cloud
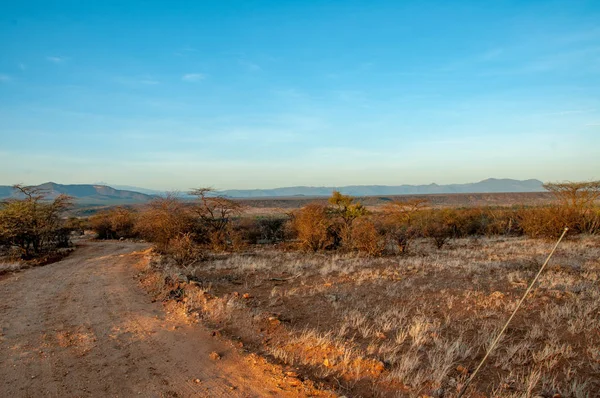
<point x="193" y="77"/>
<point x="5" y="78"/>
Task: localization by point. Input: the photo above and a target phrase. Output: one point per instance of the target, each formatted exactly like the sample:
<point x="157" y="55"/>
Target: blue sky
<point x="258" y="94"/>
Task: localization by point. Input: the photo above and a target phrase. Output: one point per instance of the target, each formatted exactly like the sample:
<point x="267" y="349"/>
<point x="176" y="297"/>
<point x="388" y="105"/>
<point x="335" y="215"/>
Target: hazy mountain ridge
<point x="490" y="185"/>
<point x="83" y="193"/>
<point x="104" y="194"/>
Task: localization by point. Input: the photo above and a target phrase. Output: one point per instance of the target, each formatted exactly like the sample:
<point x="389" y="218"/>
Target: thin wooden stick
<point x="497" y="339"/>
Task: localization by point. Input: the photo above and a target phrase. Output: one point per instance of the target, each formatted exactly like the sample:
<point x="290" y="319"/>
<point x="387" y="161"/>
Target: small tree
<point x="164" y="219"/>
<point x="345" y="209"/>
<point x="33" y="224"/>
<point x="577" y="195"/>
<point x="215" y="213"/>
<point x="577" y="205"/>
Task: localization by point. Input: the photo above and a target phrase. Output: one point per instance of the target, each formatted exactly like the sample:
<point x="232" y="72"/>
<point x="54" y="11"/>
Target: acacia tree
<point x="215" y="213"/>
<point x="346" y="209"/>
<point x="32" y="223"/>
<point x="577" y="195"/>
<point x="577" y="204"/>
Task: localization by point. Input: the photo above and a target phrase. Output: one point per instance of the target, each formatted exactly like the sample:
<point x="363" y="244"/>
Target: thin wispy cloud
<point x="56" y="60"/>
<point x="193" y="77"/>
<point x="21" y="65"/>
<point x="4" y="78"/>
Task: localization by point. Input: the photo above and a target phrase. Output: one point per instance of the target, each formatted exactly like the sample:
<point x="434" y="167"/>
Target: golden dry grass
<point x="414" y="325"/>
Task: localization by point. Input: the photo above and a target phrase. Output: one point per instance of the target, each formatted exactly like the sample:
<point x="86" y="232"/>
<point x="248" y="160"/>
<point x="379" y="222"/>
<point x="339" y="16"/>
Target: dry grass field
<point x="411" y="325"/>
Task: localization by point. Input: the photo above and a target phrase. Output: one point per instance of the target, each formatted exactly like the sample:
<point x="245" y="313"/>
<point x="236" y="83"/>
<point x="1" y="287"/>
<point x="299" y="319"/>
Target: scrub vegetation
<point x="396" y="300"/>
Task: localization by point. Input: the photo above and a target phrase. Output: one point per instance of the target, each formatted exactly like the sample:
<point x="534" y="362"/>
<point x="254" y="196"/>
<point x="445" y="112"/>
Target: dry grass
<point x="6" y="267"/>
<point x="415" y="325"/>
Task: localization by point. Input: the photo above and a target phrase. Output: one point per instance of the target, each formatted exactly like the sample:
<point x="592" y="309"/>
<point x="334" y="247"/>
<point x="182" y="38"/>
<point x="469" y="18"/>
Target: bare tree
<point x="215" y="213"/>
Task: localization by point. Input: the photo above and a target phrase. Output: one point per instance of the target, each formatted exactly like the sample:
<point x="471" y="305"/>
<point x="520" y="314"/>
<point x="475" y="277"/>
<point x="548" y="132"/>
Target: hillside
<point x="84" y="193"/>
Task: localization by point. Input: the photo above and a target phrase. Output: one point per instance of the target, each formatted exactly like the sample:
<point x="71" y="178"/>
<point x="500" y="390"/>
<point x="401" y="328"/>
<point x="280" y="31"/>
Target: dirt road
<point x="83" y="327"/>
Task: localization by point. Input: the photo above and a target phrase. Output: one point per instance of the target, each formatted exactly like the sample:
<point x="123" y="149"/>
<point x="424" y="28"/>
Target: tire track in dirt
<point x="83" y="327"/>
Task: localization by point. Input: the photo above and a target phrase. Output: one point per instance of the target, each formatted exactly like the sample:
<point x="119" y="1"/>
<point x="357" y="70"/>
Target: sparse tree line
<point x="187" y="230"/>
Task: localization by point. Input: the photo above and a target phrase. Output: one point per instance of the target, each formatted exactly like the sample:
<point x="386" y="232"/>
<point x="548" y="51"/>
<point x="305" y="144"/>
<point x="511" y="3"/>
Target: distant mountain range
<point x="491" y="185"/>
<point x="84" y="193"/>
<point x="104" y="194"/>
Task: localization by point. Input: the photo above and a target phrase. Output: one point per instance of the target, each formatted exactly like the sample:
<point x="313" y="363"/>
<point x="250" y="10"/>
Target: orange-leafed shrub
<point x="313" y="226"/>
<point x="366" y="238"/>
<point x="165" y="219"/>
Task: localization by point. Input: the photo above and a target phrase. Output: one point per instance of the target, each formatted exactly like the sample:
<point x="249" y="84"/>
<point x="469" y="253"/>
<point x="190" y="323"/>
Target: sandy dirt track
<point x="83" y="327"/>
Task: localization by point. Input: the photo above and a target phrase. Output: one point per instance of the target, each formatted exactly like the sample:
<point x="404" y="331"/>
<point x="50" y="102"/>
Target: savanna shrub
<point x="439" y="225"/>
<point x="398" y="234"/>
<point x="502" y="221"/>
<point x="550" y="221"/>
<point x="77" y="225"/>
<point x="248" y="229"/>
<point x="184" y="250"/>
<point x="366" y="238"/>
<point x="399" y="223"/>
<point x="272" y="229"/>
<point x="261" y="229"/>
<point x="577" y="209"/>
<point x="165" y="219"/>
<point x="313" y="227"/>
<point x="115" y="223"/>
